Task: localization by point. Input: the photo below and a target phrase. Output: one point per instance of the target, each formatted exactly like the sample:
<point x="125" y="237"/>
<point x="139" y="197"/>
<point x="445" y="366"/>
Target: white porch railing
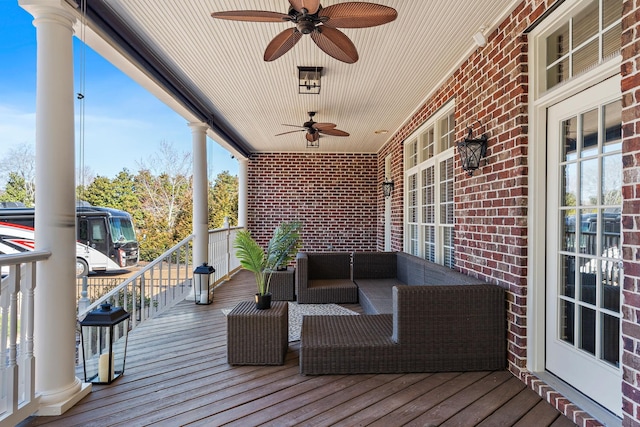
<point x="149" y="292"/>
<point x="164" y="282"/>
<point x="167" y="280"/>
<point x="152" y="290"/>
<point x="17" y="374"/>
<point x="222" y="256"/>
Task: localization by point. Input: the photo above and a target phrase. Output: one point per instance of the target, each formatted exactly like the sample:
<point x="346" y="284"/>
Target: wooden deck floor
<point x="177" y="374"/>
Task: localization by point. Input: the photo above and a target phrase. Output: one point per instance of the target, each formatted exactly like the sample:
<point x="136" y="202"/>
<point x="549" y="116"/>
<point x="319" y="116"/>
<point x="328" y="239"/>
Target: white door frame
<point x="537" y="200"/>
<point x="539" y="102"/>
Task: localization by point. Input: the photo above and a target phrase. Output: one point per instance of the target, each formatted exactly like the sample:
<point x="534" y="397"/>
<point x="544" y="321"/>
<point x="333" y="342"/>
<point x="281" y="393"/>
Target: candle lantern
<point x="104" y="333"/>
<point x="202" y="283"/>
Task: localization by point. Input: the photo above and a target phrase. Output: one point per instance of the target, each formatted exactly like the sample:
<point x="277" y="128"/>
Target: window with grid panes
<point x="586" y="39"/>
<point x="429" y="155"/>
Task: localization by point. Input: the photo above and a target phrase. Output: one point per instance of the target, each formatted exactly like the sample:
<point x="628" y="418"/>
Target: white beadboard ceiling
<point x="400" y="64"/>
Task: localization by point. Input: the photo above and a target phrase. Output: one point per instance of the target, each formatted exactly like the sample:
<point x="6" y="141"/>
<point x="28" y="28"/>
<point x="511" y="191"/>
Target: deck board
<point x="177" y="374"/>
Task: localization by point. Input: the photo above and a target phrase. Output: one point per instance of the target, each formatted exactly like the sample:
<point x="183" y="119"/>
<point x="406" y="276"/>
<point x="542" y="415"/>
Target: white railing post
<point x="84" y="301"/>
<point x="18" y="399"/>
<point x="227" y="227"/>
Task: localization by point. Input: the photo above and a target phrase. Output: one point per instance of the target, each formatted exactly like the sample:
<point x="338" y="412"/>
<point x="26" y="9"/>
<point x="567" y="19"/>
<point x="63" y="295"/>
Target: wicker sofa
<point x="431" y="329"/>
<point x="375" y="273"/>
<point x="325" y="277"/>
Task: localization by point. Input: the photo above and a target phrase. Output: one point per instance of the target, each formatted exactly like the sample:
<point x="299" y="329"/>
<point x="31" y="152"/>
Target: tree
<point x="223" y="200"/>
<point x="119" y="193"/>
<point x="164" y="190"/>
<point x="164" y="183"/>
<point x="16" y="190"/>
<point x="84" y="176"/>
<point x="18" y="169"/>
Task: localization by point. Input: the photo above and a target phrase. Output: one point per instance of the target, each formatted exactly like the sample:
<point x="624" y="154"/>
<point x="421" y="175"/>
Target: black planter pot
<point x="263" y="302"/>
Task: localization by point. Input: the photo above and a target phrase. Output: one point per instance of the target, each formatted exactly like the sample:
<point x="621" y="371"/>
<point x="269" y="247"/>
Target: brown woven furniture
<point x="282" y="286"/>
<point x="258" y="337"/>
<point x="325" y="277"/>
<point x="375" y="273"/>
<point x="432" y="329"/>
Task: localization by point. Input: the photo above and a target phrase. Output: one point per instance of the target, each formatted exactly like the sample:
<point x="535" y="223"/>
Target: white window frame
<point x="415" y="163"/>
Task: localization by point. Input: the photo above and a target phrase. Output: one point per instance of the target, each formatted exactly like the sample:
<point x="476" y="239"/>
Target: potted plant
<point x="281" y="249"/>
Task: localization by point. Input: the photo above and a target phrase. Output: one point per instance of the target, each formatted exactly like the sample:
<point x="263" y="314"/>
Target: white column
<point x="200" y="194"/>
<point x="242" y="192"/>
<point x="55" y="218"/>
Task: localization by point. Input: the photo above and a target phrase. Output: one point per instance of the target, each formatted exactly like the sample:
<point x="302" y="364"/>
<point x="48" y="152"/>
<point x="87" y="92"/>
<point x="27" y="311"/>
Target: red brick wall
<point x="491" y="207"/>
<point x="630" y="71"/>
<point x="334" y="195"/>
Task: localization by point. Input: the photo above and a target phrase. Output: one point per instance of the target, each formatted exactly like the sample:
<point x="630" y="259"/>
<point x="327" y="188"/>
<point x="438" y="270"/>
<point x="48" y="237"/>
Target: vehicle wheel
<point x="82" y="269"/>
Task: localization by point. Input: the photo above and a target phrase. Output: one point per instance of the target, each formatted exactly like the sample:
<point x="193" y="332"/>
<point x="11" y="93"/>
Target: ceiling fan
<point x="321" y="23"/>
<point x="314" y="129"/>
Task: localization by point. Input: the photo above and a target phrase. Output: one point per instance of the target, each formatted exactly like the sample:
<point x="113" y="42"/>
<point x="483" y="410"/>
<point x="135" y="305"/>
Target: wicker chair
<point x="432" y="329"/>
<point x="325" y="277"/>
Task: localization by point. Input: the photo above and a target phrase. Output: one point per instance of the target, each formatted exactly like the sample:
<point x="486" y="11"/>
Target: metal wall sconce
<point x="472" y="150"/>
<point x="309" y="80"/>
<point x="387" y="187"/>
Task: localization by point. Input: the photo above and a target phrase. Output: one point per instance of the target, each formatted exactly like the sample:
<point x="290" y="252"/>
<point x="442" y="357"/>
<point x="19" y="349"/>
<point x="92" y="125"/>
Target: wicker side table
<point x="282" y="286"/>
<point x="258" y="337"/>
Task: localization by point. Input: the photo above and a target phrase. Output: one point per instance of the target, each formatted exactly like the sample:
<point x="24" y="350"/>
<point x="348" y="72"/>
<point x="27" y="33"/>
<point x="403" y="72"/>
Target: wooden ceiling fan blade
<point x="358" y="15"/>
<point x="294" y="126"/>
<point x="281" y="44"/>
<point x="335" y="44"/>
<point x="323" y="126"/>
<point x="312" y="6"/>
<point x="251" y="15"/>
<point x="334" y="132"/>
<point x="291" y="131"/>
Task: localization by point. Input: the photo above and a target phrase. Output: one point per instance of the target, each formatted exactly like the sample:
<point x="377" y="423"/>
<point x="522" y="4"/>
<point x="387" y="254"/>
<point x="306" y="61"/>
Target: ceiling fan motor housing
<point x="306" y="26"/>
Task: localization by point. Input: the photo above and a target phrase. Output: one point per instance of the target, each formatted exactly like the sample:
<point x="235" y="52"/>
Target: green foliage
<point x="223" y="200"/>
<point x="159" y="197"/>
<point x="281" y="248"/>
<point x="17" y="190"/>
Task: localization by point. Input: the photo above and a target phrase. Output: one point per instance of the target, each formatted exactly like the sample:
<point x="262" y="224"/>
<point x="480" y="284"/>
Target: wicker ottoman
<point x="258" y="337"/>
<point x="282" y="286"/>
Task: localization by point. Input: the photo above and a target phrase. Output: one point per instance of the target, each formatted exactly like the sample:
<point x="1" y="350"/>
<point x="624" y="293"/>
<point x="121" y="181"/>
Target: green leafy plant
<point x="281" y="249"/>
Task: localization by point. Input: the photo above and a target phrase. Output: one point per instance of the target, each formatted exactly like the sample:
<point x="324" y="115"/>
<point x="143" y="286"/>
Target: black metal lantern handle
<point x="470" y="128"/>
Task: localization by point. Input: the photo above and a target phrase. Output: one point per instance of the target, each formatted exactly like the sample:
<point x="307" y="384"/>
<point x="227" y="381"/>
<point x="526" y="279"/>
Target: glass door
<point x="584" y="274"/>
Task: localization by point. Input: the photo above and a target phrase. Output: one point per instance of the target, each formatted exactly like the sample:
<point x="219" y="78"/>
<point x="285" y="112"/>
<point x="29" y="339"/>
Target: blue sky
<point x="124" y="124"/>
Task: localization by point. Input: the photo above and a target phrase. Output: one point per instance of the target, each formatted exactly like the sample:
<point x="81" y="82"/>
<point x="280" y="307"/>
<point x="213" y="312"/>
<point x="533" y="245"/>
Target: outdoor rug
<point x="297" y="311"/>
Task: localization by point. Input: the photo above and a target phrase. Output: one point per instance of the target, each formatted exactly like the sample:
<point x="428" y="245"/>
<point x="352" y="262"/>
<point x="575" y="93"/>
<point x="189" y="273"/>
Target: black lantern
<point x="202" y="283"/>
<point x="309" y="80"/>
<point x="104" y="333"/>
<point x="472" y="150"/>
<point x="387" y="187"/>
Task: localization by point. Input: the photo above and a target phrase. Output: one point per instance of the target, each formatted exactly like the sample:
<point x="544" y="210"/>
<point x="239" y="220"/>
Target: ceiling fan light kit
<point x="320" y="23"/>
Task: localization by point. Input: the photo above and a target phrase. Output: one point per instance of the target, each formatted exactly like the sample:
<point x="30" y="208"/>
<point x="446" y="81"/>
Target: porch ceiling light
<point x="309" y="80"/>
<point x="387" y="187"/>
<point x="480" y="38"/>
<point x="472" y="150"/>
<point x="104" y="332"/>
